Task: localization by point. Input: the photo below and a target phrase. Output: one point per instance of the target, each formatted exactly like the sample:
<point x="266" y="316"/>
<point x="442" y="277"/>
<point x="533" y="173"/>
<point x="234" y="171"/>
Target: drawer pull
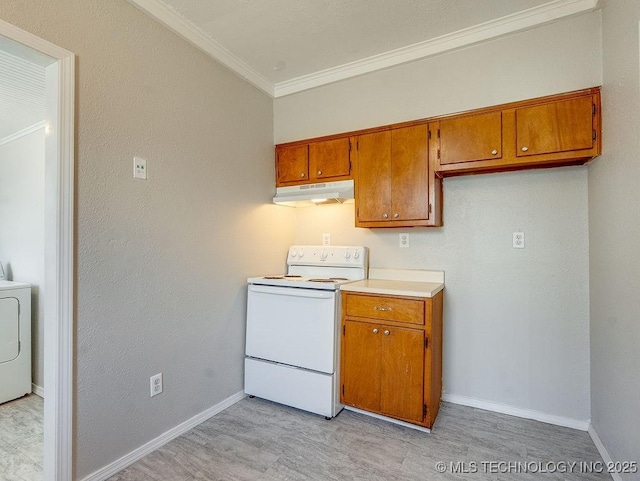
<point x="376" y="308"/>
<point x="375" y="331"/>
<point x="386" y="333"/>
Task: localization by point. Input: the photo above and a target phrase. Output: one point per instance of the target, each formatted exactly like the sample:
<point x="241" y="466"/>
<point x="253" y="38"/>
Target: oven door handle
<point x="292" y="292"/>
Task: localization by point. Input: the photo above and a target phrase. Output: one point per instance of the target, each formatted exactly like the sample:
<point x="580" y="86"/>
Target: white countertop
<point x="396" y="282"/>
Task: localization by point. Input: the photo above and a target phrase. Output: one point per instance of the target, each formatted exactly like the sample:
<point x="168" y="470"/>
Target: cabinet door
<point x="409" y="173"/>
<point x="292" y="164"/>
<point x="555" y="127"/>
<point x="470" y="138"/>
<point x="361" y="364"/>
<point x="374" y="177"/>
<point x="329" y="159"/>
<point x="402" y="374"/>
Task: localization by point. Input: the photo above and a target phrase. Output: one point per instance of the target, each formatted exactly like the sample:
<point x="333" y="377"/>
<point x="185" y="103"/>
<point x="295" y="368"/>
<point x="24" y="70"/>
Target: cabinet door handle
<point x="375" y="331"/>
<point x="396" y="215"/>
<point x="376" y="308"/>
<point x="319" y="172"/>
<point x="302" y="175"/>
<point x="386" y="332"/>
<point x="494" y="152"/>
<point x="385" y="216"/>
<point x="524" y="149"/>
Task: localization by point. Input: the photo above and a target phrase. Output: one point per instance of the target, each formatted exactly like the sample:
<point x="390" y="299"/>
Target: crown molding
<point x="526" y="19"/>
<point x="516" y="22"/>
<point x="21" y="133"/>
<point x="187" y="30"/>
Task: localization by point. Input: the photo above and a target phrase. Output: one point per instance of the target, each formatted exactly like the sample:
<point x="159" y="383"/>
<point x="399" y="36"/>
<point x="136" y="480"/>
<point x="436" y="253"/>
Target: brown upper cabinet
<point x="546" y="132"/>
<point x="309" y="162"/>
<point x="395" y="183"/>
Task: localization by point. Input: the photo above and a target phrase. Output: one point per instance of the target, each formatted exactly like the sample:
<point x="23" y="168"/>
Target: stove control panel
<point x="355" y="256"/>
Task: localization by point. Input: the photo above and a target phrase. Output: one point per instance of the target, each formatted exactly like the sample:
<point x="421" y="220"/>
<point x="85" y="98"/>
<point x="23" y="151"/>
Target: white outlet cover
<point x="139" y="168"/>
<point x="155" y="384"/>
<point x="518" y="240"/>
<point x="403" y="239"/>
<point x="326" y="239"/>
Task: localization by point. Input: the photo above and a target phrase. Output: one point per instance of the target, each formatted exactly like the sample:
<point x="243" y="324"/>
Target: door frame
<point x="59" y="247"/>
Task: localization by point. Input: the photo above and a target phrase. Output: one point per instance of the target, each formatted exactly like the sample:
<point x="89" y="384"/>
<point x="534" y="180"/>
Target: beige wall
<point x="161" y="264"/>
<point x="22" y="214"/>
<point x="516" y="321"/>
<point x="614" y="225"/>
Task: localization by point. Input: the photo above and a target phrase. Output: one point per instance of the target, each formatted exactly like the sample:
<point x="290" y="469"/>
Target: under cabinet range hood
<point x="339" y="192"/>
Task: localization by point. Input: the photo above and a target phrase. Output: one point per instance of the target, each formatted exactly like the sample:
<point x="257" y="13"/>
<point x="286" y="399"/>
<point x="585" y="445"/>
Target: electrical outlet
<point x="156" y="384"/>
<point x="139" y="168"/>
<point x="326" y="239"/>
<point x="518" y="240"/>
<point x="404" y="239"/>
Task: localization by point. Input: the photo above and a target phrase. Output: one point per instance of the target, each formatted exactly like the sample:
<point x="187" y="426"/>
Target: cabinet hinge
<point x="343" y="389"/>
<point x="424" y="408"/>
<point x="344" y="330"/>
<point x="593" y="136"/>
<point x="438" y="133"/>
<point x="429" y="135"/>
<point x="426" y="342"/>
<point x="430" y="209"/>
<point x="350" y="165"/>
<point x="358" y="144"/>
<point x="438" y="153"/>
<point x="593" y="109"/>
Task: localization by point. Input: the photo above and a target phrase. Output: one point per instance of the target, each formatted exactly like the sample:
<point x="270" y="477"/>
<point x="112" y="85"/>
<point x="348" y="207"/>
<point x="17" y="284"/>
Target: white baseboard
<point x="602" y="450"/>
<point x="139" y="453"/>
<point x="391" y="420"/>
<point x="37" y="390"/>
<point x="582" y="425"/>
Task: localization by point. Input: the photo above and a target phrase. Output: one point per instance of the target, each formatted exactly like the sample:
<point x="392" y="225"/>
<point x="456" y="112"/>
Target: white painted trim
<point x="58" y="417"/>
<point x="191" y="33"/>
<point x="603" y="451"/>
<point x="580" y="424"/>
<point x="516" y="22"/>
<point x="37" y="390"/>
<point x="139" y="453"/>
<point x="23" y="132"/>
<point x="391" y="420"/>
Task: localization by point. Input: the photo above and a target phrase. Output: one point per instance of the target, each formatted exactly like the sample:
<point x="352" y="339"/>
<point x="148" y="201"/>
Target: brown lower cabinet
<point x="392" y="355"/>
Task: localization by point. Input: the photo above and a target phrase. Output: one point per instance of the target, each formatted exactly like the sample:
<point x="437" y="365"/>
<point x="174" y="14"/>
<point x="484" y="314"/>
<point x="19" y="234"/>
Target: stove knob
<point x="323" y="256"/>
<point x="356" y="254"/>
<point x="347" y="255"/>
<point x="293" y="253"/>
<point x="301" y="253"/>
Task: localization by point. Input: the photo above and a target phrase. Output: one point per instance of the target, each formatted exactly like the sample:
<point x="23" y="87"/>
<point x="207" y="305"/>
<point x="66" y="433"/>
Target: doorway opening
<point x="53" y="138"/>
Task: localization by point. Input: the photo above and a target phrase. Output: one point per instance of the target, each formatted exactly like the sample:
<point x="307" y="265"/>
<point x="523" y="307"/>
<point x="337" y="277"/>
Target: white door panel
<point x="292" y="326"/>
<point x="9" y="329"/>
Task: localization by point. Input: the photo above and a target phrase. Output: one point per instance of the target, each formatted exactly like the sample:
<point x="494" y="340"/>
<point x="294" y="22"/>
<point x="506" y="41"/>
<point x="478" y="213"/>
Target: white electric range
<point x="293" y="326"/>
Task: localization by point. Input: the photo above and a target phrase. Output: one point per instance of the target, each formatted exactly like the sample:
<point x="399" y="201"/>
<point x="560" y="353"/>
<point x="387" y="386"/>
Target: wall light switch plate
<point x="518" y="240"/>
<point x="326" y="239"/>
<point x="139" y="168"/>
<point x="404" y="239"/>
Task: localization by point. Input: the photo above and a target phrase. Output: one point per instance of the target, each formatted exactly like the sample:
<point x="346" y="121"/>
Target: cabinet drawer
<point x="387" y="308"/>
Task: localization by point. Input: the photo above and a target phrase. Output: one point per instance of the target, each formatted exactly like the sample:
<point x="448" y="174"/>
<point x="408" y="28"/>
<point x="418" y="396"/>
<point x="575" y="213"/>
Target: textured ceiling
<point x="22" y="91"/>
<point x="285" y="39"/>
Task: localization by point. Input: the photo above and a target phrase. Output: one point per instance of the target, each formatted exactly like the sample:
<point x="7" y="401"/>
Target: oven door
<point x="292" y="326"/>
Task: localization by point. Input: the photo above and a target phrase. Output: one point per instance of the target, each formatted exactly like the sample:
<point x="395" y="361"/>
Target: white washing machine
<point x="15" y="340"/>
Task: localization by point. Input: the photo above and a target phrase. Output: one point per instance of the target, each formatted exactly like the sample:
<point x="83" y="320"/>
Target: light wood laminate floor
<point x="259" y="440"/>
<point x="21" y="439"/>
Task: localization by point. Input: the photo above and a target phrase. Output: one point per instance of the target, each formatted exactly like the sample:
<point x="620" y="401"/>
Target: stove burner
<point x="289" y="276"/>
<point x="338" y="278"/>
<point x="323" y="280"/>
<point x="273" y="277"/>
